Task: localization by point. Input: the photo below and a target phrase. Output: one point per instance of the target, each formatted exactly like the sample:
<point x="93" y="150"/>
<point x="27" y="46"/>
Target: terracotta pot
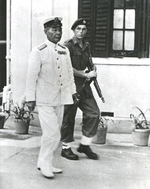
<point x="140" y="137"/>
<point x="21" y="126"/>
<point x="3" y="118"/>
<point x="100" y="137"/>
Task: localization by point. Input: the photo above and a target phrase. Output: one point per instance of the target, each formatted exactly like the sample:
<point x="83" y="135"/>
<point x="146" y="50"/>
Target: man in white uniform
<point x="49" y="86"/>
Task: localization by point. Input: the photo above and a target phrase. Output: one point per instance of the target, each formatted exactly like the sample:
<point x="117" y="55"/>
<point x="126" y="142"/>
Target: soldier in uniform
<point x="49" y="86"/>
<point x="80" y="53"/>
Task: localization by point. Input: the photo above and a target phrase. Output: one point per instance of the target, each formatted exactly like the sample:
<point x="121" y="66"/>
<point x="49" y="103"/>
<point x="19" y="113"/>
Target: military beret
<point x="80" y="21"/>
<point x="52" y="21"/>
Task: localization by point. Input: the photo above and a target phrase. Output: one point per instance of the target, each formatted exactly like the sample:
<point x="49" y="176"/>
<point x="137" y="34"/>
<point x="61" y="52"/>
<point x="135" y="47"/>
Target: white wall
<point x="20" y="44"/>
<point x="124" y="84"/>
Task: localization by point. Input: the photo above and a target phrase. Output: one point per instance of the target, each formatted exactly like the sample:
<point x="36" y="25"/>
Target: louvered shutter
<point x="85" y="11"/>
<point x="97" y="12"/>
<point x="144" y="28"/>
<point x="101" y="29"/>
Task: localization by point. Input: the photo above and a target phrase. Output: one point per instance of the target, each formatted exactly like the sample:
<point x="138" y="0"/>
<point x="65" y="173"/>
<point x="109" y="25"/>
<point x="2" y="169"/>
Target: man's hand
<point x="31" y="105"/>
<point x="92" y="74"/>
<point x="76" y="98"/>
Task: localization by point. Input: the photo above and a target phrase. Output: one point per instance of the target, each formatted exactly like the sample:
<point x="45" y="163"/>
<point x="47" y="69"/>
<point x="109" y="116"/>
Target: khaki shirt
<point x="50" y="78"/>
<point x="80" y="61"/>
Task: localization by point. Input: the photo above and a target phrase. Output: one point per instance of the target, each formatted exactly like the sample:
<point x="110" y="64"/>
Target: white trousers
<point x="50" y="119"/>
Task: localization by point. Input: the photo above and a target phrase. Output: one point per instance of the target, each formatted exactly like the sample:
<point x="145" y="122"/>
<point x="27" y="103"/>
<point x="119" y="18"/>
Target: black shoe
<point x="67" y="153"/>
<point x="87" y="150"/>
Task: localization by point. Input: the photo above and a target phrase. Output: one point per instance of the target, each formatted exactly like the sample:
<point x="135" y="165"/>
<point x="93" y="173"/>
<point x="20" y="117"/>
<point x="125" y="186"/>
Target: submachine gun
<point x="88" y="81"/>
<point x="76" y="96"/>
<point x="97" y="87"/>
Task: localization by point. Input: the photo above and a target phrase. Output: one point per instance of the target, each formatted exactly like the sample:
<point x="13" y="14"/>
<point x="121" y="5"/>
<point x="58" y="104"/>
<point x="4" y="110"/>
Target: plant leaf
<point x="141" y="113"/>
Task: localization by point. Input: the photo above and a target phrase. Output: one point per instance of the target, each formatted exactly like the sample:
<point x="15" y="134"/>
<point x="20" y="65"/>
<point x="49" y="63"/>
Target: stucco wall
<point x="125" y="84"/>
<point x="20" y="44"/>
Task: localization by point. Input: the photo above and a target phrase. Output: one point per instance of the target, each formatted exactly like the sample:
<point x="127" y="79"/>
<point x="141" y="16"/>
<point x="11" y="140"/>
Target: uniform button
<point x="58" y="67"/>
<point x="61" y="84"/>
<point x="57" y="58"/>
<point x="60" y="76"/>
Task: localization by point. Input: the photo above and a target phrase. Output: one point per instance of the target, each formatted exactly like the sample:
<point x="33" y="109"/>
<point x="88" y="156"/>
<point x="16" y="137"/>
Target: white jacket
<point x="50" y="79"/>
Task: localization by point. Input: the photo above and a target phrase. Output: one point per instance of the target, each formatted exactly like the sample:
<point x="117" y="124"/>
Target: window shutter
<point x="144" y="29"/>
<point x="102" y="28"/>
<point x="97" y="13"/>
<point x="85" y="11"/>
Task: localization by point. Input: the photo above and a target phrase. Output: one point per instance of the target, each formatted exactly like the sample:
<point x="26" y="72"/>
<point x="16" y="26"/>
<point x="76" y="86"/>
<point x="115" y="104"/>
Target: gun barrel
<point x="97" y="88"/>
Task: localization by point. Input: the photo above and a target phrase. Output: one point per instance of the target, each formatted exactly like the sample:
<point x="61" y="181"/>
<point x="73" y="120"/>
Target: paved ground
<point x="121" y="166"/>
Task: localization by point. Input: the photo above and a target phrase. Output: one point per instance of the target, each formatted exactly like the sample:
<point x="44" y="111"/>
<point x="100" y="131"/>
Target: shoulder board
<point x="62" y="46"/>
<point x="41" y="47"/>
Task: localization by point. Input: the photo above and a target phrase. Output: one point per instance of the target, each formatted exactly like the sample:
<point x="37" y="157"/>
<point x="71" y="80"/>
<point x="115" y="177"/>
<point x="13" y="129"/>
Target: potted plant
<point x="3" y="113"/>
<point x="140" y="133"/>
<point x="22" y="117"/>
<point x="100" y="137"/>
<point x="3" y="118"/>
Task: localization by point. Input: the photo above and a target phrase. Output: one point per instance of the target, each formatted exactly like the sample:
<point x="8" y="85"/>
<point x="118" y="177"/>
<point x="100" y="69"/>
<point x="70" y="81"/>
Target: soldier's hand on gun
<point x="31" y="105"/>
<point x="92" y="74"/>
<point x="76" y="98"/>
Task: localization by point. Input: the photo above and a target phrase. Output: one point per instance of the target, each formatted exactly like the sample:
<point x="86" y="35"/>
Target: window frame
<point x="124" y="53"/>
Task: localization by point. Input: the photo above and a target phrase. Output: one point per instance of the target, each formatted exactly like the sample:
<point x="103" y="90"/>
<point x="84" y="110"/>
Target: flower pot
<point x="21" y="126"/>
<point x="140" y="137"/>
<point x="100" y="137"/>
<point x="2" y="120"/>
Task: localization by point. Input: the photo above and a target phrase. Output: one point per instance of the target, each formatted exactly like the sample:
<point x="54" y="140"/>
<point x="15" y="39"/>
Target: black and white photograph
<point x="74" y="94"/>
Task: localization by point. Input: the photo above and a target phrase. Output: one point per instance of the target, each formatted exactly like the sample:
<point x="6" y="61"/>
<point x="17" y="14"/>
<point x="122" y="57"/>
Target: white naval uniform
<point x="50" y="83"/>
